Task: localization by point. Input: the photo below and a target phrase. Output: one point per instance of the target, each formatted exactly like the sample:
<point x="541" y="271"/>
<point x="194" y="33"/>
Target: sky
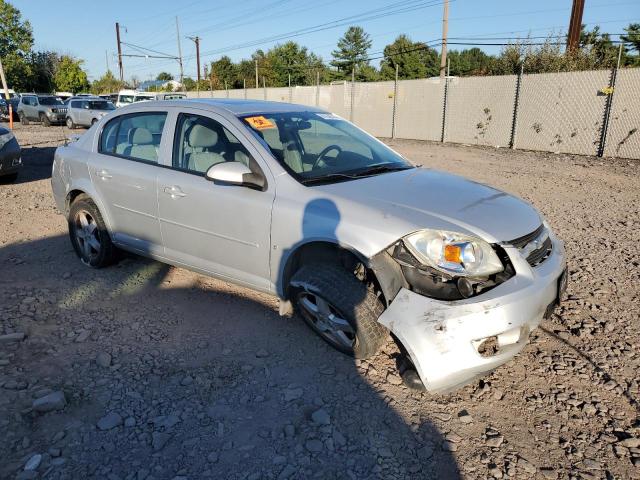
<point x="86" y="29"/>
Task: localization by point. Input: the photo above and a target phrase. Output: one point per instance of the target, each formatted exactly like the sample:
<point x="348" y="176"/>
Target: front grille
<point x="525" y="239"/>
<point x="541" y="253"/>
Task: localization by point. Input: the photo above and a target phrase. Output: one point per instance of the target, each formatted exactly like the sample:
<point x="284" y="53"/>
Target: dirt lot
<point x="168" y="374"/>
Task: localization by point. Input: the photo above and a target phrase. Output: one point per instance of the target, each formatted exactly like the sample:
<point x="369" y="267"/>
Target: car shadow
<point x="216" y="383"/>
<point x="36" y="164"/>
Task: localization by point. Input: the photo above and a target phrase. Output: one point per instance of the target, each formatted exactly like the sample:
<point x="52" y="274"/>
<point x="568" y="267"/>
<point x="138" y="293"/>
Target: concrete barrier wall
<point x="562" y="112"/>
<point x="480" y="110"/>
<point x="623" y="139"/>
<point x="419" y="109"/>
<point x="373" y="107"/>
<point x="556" y="112"/>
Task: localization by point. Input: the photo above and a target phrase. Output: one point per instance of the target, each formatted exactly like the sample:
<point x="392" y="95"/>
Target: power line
<point x="369" y="15"/>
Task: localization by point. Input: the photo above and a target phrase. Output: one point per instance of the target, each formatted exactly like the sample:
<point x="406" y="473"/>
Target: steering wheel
<point x="324" y="152"/>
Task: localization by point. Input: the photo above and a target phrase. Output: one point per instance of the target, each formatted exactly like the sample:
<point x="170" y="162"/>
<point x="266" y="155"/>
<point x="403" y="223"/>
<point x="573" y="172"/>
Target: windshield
<point x="101" y="105"/>
<point x="322" y="147"/>
<point x="125" y="98"/>
<point x="143" y="98"/>
<point x="50" y="101"/>
<point x="174" y="96"/>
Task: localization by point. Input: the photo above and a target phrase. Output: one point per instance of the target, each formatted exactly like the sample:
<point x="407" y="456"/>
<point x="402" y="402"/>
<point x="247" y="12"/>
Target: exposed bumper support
<point x="443" y="338"/>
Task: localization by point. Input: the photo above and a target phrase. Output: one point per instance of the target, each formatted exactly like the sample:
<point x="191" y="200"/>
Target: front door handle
<point x="174" y="191"/>
<point x="103" y="174"/>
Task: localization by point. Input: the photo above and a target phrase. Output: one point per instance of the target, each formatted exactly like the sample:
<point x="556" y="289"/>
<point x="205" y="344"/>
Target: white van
<point x="125" y="97"/>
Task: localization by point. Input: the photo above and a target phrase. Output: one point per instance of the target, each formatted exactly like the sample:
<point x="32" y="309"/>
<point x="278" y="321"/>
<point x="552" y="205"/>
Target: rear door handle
<point x="103" y="174"/>
<point x="174" y="191"/>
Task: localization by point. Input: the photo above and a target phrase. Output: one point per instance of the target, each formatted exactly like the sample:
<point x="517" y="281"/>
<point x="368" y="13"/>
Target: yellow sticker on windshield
<point x="260" y="123"/>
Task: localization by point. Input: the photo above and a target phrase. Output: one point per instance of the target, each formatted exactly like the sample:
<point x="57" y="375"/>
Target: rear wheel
<point x="45" y="120"/>
<point x="70" y="124"/>
<point x="23" y="118"/>
<point x="94" y="121"/>
<point x="339" y="308"/>
<point x="89" y="235"/>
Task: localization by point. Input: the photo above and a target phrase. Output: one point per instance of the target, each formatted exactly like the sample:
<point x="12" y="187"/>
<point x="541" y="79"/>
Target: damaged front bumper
<point x="451" y="343"/>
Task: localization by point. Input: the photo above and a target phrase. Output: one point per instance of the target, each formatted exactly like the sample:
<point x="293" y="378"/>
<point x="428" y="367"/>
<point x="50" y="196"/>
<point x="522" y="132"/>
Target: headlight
<point x="6" y="138"/>
<point x="454" y="253"/>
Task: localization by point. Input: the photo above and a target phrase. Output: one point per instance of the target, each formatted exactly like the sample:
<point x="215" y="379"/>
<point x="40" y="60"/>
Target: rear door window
<point x="136" y="136"/>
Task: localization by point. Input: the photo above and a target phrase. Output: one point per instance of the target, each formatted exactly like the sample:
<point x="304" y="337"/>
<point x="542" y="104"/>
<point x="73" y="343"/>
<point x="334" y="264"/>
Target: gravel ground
<point x="143" y="371"/>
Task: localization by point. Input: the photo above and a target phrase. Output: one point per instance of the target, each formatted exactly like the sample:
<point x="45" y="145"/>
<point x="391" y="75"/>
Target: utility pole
<point x="180" y="54"/>
<point x="445" y="27"/>
<point x="196" y="40"/>
<point x="119" y="52"/>
<point x="256" y="73"/>
<point x="6" y="94"/>
<point x="575" y="25"/>
<point x="106" y="57"/>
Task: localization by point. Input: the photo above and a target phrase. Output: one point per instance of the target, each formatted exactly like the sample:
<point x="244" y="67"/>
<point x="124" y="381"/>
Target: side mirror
<point x="234" y="173"/>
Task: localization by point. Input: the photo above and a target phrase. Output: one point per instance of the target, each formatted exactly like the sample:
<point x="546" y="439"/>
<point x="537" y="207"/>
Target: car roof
<point x="237" y="107"/>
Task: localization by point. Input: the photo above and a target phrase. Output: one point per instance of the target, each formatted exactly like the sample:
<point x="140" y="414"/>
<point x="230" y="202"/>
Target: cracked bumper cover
<point x="442" y="337"/>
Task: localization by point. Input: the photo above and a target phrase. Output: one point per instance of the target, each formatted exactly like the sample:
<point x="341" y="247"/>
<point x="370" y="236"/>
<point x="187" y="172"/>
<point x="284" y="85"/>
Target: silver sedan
<point x="299" y="203"/>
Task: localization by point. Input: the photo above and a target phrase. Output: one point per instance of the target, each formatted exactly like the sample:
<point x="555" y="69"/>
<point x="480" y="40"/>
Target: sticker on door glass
<point x="260" y="122"/>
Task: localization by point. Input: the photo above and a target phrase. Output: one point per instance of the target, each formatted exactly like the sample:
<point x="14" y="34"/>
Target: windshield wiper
<point x="331" y="177"/>
<point x="381" y="168"/>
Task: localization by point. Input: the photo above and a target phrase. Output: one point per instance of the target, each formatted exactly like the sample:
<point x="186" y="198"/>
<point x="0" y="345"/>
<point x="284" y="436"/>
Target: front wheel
<point x="45" y="120"/>
<point x="339" y="308"/>
<point x="70" y="124"/>
<point x="23" y="118"/>
<point x="89" y="235"/>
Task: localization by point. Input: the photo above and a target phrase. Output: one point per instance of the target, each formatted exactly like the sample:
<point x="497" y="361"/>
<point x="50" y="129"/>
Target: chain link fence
<point x="588" y="113"/>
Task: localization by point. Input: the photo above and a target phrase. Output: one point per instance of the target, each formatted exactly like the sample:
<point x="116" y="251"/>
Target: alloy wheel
<point x="327" y="320"/>
<point x="86" y="233"/>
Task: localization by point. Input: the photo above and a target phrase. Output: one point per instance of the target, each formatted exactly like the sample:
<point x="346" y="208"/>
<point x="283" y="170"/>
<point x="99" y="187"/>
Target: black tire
<point x="70" y="124"/>
<point x="94" y="121"/>
<point x="12" y="177"/>
<point x="45" y="120"/>
<point x="23" y="118"/>
<point x="349" y="298"/>
<point x="99" y="253"/>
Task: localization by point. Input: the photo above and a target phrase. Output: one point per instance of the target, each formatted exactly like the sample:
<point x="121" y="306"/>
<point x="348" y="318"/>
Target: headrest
<point x="203" y="137"/>
<point x="140" y="136"/>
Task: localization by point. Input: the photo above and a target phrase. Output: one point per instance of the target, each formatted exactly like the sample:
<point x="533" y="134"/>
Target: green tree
<point x="352" y="51"/>
<point x="42" y="69"/>
<point x="295" y="60"/>
<point x="633" y="37"/>
<point x="188" y="83"/>
<point x="16" y="41"/>
<point x="413" y="59"/>
<point x="603" y="53"/>
<point x="16" y="35"/>
<point x="223" y="73"/>
<point x="471" y="61"/>
<point x="632" y="49"/>
<point x="164" y="76"/>
<point x="69" y="76"/>
<point x="106" y="84"/>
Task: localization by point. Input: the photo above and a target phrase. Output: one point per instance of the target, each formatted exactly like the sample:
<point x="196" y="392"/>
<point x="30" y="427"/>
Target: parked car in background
<point x="297" y="202"/>
<point x="10" y="160"/>
<point x="85" y="111"/>
<point x="47" y="109"/>
<point x="14" y="99"/>
<point x="126" y="97"/>
<point x="64" y="96"/>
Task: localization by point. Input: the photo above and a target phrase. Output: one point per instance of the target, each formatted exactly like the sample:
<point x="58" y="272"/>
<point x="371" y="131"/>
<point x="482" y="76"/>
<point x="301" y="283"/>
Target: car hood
<point x="420" y="198"/>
